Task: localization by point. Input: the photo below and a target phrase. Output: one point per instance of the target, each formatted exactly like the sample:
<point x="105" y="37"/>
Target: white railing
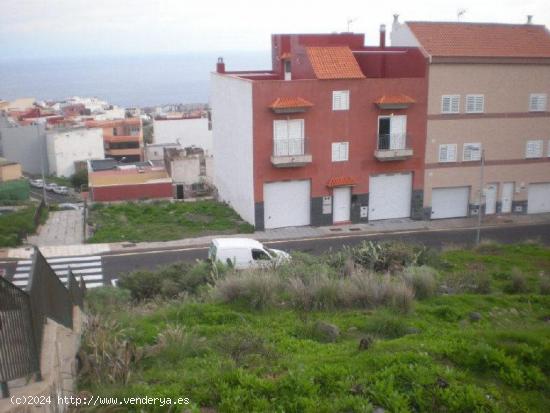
<point x="289" y="147"/>
<point x="392" y="141"/>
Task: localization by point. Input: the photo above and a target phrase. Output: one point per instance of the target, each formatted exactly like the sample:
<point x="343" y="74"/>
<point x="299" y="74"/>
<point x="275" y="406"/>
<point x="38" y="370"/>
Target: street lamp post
<point x="481" y="172"/>
<point x="42" y="163"/>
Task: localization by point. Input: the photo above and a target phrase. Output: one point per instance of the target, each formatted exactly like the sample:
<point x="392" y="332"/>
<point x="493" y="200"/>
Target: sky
<point x="67" y="28"/>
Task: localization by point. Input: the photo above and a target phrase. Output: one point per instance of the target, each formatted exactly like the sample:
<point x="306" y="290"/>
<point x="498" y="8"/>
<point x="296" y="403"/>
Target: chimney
<point x="395" y="18"/>
<point x="529" y="19"/>
<point x="382" y="36"/>
<point x="220" y="66"/>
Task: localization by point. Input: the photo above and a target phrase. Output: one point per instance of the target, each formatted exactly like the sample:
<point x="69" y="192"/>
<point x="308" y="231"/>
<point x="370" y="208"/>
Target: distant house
<point x="109" y="180"/>
<point x="67" y="147"/>
<point x="155" y="151"/>
<point x="334" y="132"/>
<point x="183" y="131"/>
<point x="24" y="144"/>
<point x="122" y="139"/>
<point x="488" y="94"/>
<point x="190" y="170"/>
<point x="9" y="170"/>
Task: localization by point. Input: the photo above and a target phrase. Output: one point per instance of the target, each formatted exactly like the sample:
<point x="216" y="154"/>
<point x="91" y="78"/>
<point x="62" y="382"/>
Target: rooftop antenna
<point x="460" y="13"/>
<point x="350" y="21"/>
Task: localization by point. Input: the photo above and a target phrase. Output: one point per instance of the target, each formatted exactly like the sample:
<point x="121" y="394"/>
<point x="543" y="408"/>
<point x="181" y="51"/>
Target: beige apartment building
<point x="487" y="96"/>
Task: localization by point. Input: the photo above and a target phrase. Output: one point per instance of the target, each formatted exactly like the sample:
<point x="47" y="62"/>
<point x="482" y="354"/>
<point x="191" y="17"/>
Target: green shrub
<point x="17" y="190"/>
<point x="243" y="345"/>
<point x="387" y="256"/>
<point x="80" y="179"/>
<point x="422" y="279"/>
<point x="386" y="326"/>
<point x="142" y="284"/>
<point x="256" y="289"/>
<point x="105" y="300"/>
<point x="544" y="285"/>
<point x="518" y="282"/>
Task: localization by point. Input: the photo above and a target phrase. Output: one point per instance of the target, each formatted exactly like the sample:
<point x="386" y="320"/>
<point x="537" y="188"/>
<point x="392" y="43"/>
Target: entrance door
<point x="506" y="197"/>
<point x="179" y="191"/>
<point x="490" y="199"/>
<point x="342" y="204"/>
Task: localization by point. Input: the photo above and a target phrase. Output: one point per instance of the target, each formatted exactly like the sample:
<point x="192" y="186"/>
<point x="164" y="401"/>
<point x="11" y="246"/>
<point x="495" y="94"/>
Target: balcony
<point x="290" y="153"/>
<point x="393" y="147"/>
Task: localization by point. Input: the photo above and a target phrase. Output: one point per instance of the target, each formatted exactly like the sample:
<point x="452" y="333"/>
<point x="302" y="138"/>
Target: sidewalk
<point x="377" y="227"/>
<point x="61" y="228"/>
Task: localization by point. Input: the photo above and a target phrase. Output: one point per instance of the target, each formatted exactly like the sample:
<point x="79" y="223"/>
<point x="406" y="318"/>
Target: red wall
<point x="358" y="126"/>
<point x="132" y="192"/>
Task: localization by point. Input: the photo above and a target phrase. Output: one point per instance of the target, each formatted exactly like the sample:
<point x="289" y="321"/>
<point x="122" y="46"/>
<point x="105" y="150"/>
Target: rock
<point x="474" y="316"/>
<point x="365" y="343"/>
<point x="352" y="329"/>
<point x="413" y="330"/>
<point x="442" y="383"/>
<point x="326" y="331"/>
<point x="378" y="410"/>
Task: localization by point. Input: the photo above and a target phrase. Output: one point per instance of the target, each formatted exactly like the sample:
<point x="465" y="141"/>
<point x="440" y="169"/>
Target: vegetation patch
<point x="163" y="221"/>
<point x="256" y="341"/>
<point x="15" y="226"/>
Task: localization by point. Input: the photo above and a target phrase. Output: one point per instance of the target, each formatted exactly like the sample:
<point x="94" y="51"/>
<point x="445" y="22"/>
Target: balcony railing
<point x="393" y="147"/>
<point x="288" y="153"/>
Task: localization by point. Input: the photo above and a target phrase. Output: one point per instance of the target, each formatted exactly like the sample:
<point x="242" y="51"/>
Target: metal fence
<point x="23" y="315"/>
<point x="18" y="353"/>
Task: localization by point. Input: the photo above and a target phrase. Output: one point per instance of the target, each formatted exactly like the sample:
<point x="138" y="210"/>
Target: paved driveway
<point x="62" y="228"/>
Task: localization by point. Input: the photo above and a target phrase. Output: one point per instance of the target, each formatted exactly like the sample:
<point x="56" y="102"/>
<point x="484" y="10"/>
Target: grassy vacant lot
<point x="340" y="333"/>
<point x="15" y="226"/>
<point x="163" y="221"/>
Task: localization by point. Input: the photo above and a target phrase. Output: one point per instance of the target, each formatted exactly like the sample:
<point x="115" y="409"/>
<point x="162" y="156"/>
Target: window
<point x="340" y="151"/>
<point x="533" y="149"/>
<point x="537" y="102"/>
<point x="447" y="152"/>
<point x="450" y="104"/>
<point x="260" y="255"/>
<point x="340" y="100"/>
<point x="471" y="152"/>
<point x="475" y="103"/>
<point x="288" y="137"/>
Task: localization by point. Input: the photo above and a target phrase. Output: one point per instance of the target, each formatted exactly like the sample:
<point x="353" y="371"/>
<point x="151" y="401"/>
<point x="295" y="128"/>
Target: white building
<point x="185" y="132"/>
<point x="66" y="147"/>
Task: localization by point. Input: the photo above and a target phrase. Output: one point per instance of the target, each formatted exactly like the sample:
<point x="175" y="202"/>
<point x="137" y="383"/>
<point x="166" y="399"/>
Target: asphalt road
<point x="117" y="263"/>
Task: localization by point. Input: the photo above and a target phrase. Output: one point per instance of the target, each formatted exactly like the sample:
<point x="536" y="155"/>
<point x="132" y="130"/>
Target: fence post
<point x="5" y="391"/>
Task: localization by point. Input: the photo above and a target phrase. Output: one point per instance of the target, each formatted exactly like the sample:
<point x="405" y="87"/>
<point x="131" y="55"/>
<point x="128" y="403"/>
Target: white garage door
<point x="390" y="196"/>
<point x="538" y="198"/>
<point x="450" y="202"/>
<point x="287" y="204"/>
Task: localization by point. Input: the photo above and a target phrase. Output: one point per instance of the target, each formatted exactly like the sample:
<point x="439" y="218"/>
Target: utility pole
<point x="43" y="153"/>
<point x="478" y="232"/>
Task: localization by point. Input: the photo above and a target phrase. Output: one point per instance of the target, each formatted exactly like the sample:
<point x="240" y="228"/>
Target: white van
<point x="244" y="253"/>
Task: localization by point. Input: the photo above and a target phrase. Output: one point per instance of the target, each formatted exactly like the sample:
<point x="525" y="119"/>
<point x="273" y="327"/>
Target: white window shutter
<point x="447" y="153"/>
<point x="472" y="152"/>
<point x="296" y="129"/>
<point x="335" y="152"/>
<point x="344" y="151"/>
<point x="280" y="129"/>
<point x="474" y="103"/>
<point x="450" y="104"/>
<point x="340" y="100"/>
<point x="537" y="102"/>
<point x="455" y="104"/>
<point x="533" y="149"/>
<point x="445" y="104"/>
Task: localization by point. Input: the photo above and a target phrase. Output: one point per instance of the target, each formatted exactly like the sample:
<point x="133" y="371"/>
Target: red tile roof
<point x="482" y="39"/>
<point x="288" y="103"/>
<point x="394" y="99"/>
<point x="334" y="63"/>
<point x="341" y="181"/>
<point x="286" y="55"/>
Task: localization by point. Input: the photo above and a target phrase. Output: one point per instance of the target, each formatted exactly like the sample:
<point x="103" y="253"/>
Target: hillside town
<point x="357" y="228"/>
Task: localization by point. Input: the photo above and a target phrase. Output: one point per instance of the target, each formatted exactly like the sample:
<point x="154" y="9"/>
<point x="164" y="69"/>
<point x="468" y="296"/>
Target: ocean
<point x="128" y="81"/>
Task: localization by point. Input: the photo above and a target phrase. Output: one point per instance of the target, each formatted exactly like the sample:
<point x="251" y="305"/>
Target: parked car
<point x="37" y="183"/>
<point x="50" y="186"/>
<point x="62" y="190"/>
<point x="245" y="253"/>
